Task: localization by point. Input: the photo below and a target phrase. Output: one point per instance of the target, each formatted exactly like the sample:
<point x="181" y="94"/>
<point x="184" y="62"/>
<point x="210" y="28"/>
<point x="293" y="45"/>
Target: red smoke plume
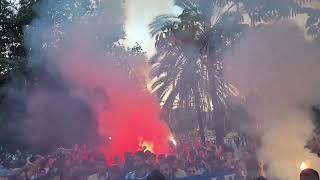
<point x="127" y="116"/>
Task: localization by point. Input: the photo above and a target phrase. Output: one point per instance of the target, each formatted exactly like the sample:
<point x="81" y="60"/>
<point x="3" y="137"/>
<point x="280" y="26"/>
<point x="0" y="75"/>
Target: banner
<point x="213" y="176"/>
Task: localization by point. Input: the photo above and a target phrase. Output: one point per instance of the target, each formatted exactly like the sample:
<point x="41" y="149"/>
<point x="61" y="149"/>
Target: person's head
<point x="50" y="161"/>
<point x="127" y="155"/>
<point x="161" y="158"/>
<point x="242" y="165"/>
<point x="115" y="173"/>
<point x="147" y="153"/>
<point x="101" y="168"/>
<point x="152" y="158"/>
<point x="260" y="178"/>
<point x="139" y="160"/>
<point x="100" y="163"/>
<point x="67" y="161"/>
<point x="117" y="160"/>
<point x="2" y="158"/>
<point x="166" y="170"/>
<point x="309" y="174"/>
<point x="228" y="155"/>
<point x="201" y="153"/>
<point x="156" y="175"/>
<point x="191" y="169"/>
<point x="173" y="162"/>
<point x="37" y="160"/>
<point x="246" y="155"/>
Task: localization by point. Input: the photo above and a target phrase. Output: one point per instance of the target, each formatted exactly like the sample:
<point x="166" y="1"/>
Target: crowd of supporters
<point x="188" y="158"/>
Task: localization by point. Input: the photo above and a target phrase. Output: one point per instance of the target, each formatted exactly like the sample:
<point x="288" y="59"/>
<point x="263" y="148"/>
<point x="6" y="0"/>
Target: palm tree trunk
<point x="218" y="106"/>
<point x="200" y="120"/>
<point x="218" y="114"/>
<point x="201" y="127"/>
<point x="219" y="126"/>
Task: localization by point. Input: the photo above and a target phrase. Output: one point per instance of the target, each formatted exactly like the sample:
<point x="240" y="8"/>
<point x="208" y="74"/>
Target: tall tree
<point x="13" y="63"/>
<point x="13" y="19"/>
<point x="188" y="65"/>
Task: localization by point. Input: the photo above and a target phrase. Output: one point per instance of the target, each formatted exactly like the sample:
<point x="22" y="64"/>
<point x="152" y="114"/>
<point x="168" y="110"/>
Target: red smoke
<point x="124" y="112"/>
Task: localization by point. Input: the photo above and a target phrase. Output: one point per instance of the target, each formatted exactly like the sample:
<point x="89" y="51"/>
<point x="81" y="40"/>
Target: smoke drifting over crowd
<point x="90" y="91"/>
<point x="280" y="68"/>
<point x="76" y="41"/>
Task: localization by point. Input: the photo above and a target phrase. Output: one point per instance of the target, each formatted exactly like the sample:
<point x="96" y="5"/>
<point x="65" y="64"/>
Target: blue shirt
<point x="132" y="176"/>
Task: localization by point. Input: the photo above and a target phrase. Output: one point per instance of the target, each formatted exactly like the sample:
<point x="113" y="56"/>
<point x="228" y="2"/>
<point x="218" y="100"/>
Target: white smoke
<point x="78" y="42"/>
<point x="277" y="63"/>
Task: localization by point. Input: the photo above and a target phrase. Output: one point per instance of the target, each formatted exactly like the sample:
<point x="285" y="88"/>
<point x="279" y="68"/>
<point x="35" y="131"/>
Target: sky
<point x="139" y="14"/>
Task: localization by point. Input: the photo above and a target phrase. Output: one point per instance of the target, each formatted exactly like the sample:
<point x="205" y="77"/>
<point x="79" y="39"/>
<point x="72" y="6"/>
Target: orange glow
<point x="303" y="166"/>
<point x="147" y="146"/>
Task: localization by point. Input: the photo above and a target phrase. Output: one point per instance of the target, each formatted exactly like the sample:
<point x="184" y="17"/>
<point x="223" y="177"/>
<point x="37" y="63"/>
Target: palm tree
<point x="187" y="69"/>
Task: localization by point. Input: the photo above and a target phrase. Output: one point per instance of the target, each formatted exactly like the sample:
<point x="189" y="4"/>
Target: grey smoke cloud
<point x="67" y="34"/>
<point x="277" y="63"/>
<point x="78" y="43"/>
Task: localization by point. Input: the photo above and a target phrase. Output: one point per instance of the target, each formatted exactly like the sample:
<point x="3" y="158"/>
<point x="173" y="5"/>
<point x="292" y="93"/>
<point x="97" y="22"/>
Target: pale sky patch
<point x="139" y="14"/>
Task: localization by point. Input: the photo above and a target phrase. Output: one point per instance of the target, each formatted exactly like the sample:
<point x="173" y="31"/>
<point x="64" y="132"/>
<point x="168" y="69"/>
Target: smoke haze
<point x="91" y="78"/>
<point x="280" y="68"/>
<point x="88" y="98"/>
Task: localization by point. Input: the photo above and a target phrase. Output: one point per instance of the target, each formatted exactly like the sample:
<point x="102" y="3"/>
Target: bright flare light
<point x="174" y="142"/>
<point x="148" y="146"/>
<point x="303" y="166"/>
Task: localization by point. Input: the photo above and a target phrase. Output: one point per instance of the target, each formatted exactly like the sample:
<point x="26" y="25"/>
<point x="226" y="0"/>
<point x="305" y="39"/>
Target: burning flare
<point x="174" y="142"/>
<point x="147" y="146"/>
<point x="303" y="166"/>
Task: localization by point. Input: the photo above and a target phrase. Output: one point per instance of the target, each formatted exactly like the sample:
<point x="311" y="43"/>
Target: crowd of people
<point x="186" y="160"/>
<point x="82" y="163"/>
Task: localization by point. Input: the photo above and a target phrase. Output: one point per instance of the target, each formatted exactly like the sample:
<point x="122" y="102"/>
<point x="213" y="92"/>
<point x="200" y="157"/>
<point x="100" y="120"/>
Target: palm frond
<point x="163" y="23"/>
<point x="261" y="11"/>
<point x="313" y="22"/>
<point x="186" y="4"/>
